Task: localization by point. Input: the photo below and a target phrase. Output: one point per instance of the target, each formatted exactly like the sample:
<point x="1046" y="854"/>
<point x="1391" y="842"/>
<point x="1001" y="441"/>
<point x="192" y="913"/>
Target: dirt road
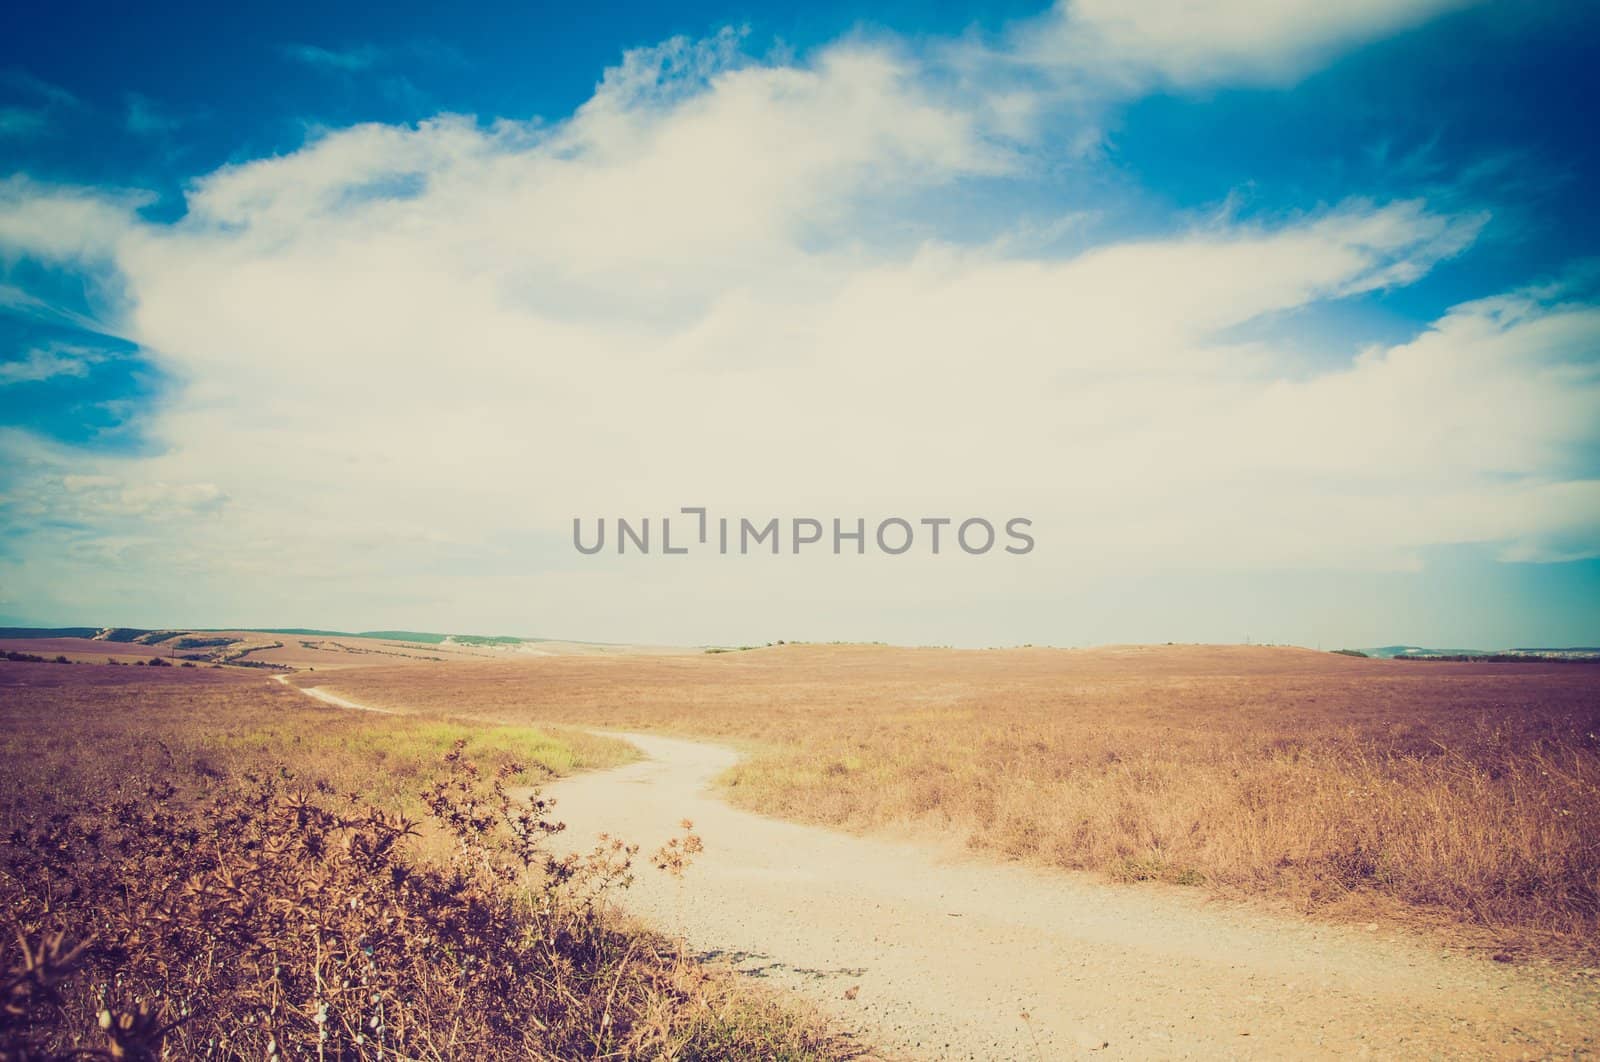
<point x="933" y="954"/>
<point x="317" y="693"/>
<point x="940" y="956"/>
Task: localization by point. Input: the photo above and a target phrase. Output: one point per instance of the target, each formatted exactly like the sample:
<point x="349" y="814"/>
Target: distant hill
<point x="421" y="637"/>
<point x="1417" y="652"/>
<point x="424" y="637"/>
<point x="1389" y="652"/>
<point x="154" y="636"/>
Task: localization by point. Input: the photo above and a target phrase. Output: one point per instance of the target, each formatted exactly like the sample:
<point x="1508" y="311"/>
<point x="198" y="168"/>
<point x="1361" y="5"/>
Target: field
<point x="1464" y="798"/>
<point x="203" y="863"/>
<point x="207" y="858"/>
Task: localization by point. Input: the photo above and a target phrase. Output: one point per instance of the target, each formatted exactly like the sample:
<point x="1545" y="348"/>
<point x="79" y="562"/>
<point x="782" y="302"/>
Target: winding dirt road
<point x="938" y="956"/>
<point x="317" y="693"/>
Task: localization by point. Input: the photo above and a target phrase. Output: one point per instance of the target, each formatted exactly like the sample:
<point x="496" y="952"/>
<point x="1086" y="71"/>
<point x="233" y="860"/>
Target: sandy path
<point x="946" y="953"/>
<point x="317" y="693"/>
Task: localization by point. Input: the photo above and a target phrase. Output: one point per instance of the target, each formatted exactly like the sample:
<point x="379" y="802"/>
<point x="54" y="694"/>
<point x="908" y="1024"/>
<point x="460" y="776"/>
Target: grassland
<point x="1462" y="797"/>
<point x="202" y="863"/>
<point x="206" y="725"/>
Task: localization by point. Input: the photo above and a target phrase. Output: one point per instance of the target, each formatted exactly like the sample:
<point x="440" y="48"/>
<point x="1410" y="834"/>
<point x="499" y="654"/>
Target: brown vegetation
<point x="203" y="864"/>
<point x="1456" y="794"/>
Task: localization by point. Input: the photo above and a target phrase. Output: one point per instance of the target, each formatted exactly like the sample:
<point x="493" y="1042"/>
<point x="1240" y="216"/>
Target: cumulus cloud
<point x="1190" y="43"/>
<point x="411" y="355"/>
<point x="65" y="225"/>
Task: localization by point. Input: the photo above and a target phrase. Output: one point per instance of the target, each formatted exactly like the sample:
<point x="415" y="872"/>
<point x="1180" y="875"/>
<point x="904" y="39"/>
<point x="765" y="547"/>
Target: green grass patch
<point x="389" y="759"/>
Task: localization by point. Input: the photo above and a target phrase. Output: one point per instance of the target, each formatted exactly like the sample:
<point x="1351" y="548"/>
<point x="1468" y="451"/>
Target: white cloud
<point x="64" y="225"/>
<point x="47" y="363"/>
<point x="1198" y="42"/>
<point x="411" y="355"/>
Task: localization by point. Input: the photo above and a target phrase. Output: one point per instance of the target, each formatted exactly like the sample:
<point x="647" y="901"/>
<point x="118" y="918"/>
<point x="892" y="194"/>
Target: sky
<point x="1275" y="321"/>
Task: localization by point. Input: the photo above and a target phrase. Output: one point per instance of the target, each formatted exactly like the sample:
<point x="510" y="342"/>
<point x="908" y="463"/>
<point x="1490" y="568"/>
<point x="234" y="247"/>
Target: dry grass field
<point x="1464" y="797"/>
<point x="202" y="863"/>
<point x="204" y="858"/>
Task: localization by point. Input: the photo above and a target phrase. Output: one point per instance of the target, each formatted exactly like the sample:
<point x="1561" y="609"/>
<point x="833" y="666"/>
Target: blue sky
<point x="1279" y="321"/>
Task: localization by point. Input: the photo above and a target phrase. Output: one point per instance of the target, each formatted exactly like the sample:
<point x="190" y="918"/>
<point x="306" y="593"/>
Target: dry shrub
<point x="261" y="921"/>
